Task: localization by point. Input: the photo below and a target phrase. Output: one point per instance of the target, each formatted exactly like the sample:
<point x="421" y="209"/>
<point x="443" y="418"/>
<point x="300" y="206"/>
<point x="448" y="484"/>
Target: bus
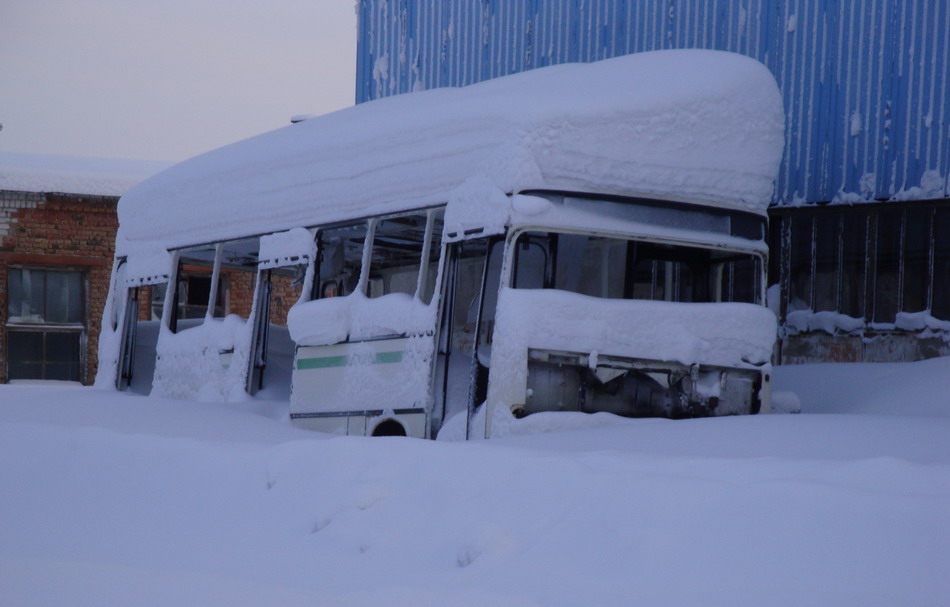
<point x="583" y="237"/>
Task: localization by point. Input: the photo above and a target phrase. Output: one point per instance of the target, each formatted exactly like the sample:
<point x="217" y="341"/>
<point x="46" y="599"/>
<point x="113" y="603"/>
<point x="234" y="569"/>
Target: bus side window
<point x="405" y="255"/>
<point x="429" y="276"/>
<point x="532" y="267"/>
<point x="397" y="255"/>
<point x="341" y="257"/>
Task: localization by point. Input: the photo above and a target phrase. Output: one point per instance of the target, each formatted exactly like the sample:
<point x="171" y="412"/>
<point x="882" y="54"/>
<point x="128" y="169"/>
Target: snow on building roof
<point x="688" y="124"/>
<point x="72" y="174"/>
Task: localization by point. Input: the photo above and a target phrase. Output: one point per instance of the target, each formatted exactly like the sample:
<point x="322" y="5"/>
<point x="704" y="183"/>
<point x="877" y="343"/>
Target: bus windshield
<point x="616" y="268"/>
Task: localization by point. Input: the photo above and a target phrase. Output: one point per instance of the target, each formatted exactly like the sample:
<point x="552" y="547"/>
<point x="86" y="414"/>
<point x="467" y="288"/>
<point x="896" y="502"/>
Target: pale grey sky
<point x="167" y="79"/>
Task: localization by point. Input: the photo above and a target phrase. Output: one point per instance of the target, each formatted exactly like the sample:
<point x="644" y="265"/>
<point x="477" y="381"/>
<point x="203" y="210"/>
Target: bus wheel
<point x="389" y="427"/>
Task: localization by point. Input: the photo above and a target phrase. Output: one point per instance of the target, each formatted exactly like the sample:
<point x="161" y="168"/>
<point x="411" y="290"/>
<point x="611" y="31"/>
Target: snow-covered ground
<point x="111" y="499"/>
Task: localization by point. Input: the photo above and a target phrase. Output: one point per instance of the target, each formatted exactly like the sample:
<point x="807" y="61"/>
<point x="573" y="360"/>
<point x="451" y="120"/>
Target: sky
<point x="166" y="80"/>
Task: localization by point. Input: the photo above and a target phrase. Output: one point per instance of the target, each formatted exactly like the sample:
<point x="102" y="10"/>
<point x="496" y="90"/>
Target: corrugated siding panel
<point x="866" y="84"/>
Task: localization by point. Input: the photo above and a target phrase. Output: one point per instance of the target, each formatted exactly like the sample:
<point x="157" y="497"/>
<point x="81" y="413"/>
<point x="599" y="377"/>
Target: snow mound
<point x="505" y="424"/>
<point x="690" y="124"/>
<point x="115" y="499"/>
<point x="906" y="389"/>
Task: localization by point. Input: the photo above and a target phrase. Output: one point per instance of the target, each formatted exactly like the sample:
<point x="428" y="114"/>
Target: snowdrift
<point x="122" y="500"/>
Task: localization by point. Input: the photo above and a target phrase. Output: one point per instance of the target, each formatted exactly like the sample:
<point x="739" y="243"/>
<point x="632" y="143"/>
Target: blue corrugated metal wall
<point x="866" y="84"/>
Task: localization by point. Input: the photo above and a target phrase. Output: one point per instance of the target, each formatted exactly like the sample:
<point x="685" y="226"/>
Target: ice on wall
<point x="693" y="124"/>
<point x="791" y="24"/>
<point x="932" y="185"/>
<point x="857" y="124"/>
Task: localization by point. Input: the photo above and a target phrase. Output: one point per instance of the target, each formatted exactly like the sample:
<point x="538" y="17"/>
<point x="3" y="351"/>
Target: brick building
<point x="57" y="237"/>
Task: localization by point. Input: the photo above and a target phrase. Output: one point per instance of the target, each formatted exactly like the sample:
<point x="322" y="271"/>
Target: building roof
<point x="44" y="173"/>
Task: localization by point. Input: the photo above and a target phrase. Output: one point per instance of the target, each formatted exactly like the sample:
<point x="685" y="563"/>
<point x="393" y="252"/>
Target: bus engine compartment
<point x="573" y="381"/>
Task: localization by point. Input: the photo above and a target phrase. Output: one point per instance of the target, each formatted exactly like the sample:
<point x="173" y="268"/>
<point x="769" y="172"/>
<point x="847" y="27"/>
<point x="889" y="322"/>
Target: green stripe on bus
<point x="327" y="362"/>
<point x="322" y="363"/>
<point x="388" y="357"/>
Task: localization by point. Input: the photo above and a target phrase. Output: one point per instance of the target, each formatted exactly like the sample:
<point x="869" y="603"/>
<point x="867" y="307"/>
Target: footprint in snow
<point x="467" y="555"/>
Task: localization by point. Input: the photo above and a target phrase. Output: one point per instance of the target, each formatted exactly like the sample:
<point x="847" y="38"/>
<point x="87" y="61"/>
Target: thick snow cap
<point x="686" y="124"/>
<point x="42" y="173"/>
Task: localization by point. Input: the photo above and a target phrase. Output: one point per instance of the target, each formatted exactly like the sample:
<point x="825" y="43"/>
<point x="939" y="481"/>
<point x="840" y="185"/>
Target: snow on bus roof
<point x="689" y="124"/>
<point x="44" y="173"/>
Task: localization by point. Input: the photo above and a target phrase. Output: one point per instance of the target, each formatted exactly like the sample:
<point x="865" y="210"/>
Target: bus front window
<point x="616" y="268"/>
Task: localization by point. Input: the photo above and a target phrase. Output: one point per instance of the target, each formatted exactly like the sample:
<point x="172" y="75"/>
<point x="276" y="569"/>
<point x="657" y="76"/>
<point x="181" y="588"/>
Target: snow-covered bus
<point x="585" y="237"/>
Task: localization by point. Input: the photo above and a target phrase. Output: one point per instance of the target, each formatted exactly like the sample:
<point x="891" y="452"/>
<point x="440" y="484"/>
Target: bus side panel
<point x="373" y="376"/>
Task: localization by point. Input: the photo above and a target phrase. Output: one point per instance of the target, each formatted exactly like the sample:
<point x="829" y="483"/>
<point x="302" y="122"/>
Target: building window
<point x="800" y="266"/>
<point x="44" y="324"/>
<point x="867" y="263"/>
<point x="887" y="268"/>
<point x="916" y="257"/>
<point x="940" y="308"/>
<point x="44" y="296"/>
<point x="854" y="253"/>
<point x="827" y="274"/>
<point x="45" y="355"/>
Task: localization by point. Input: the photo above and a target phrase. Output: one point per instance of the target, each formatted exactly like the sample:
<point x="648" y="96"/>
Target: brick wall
<point x="145" y="303"/>
<point x="77" y="232"/>
<point x="241" y="291"/>
<point x="283" y="295"/>
<point x="59" y="232"/>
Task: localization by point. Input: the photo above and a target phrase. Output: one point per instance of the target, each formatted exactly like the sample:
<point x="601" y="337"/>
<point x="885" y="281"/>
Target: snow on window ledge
<point x="834" y="323"/>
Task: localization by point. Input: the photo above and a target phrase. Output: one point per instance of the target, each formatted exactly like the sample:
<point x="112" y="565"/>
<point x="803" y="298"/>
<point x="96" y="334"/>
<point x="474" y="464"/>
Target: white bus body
<point x="578" y="238"/>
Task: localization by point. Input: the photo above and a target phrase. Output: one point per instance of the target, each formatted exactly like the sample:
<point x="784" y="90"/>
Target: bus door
<point x="468" y="318"/>
<point x="138" y="318"/>
<point x="207" y="322"/>
<point x="368" y="366"/>
<point x="284" y="278"/>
